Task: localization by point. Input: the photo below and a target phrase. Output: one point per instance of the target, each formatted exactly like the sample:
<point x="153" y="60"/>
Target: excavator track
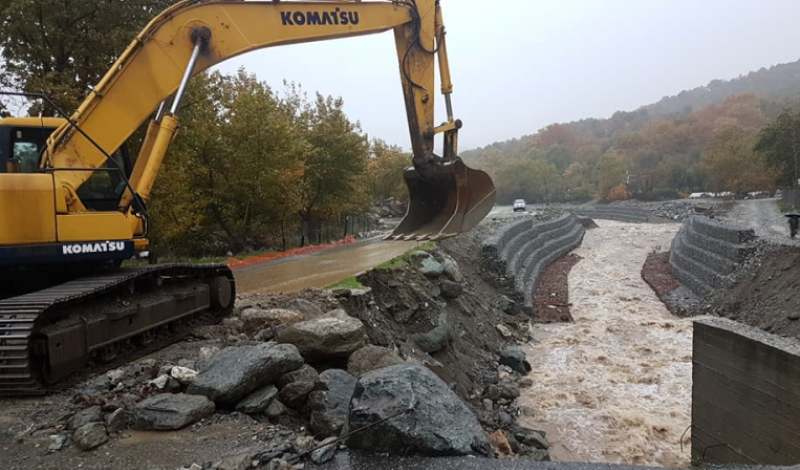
<point x="26" y="354"/>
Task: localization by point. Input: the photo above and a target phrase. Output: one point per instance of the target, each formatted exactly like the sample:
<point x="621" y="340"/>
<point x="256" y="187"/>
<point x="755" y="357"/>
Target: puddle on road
<point x="615" y="386"/>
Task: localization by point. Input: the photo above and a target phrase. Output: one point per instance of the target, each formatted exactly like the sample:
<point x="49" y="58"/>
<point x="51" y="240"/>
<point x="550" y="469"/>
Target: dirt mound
<point x="762" y="296"/>
<point x="765" y="294"/>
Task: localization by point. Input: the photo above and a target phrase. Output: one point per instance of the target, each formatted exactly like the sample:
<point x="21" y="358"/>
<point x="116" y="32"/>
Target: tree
<point x="731" y="164"/>
<point x="61" y="48"/>
<point x="779" y="142"/>
<point x="386" y="166"/>
<point x="610" y="172"/>
<point x="335" y="163"/>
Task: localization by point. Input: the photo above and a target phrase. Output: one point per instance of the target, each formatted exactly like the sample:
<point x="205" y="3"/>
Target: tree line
<point x="743" y="143"/>
<point x="251" y="167"/>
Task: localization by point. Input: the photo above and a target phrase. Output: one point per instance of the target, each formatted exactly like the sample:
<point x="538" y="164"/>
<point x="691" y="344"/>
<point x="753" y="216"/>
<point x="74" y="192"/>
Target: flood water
<point x="318" y="270"/>
<point x="615" y="386"/>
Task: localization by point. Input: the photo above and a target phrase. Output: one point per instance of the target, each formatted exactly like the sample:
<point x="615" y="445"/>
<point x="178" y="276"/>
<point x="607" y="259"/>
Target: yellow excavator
<point x="73" y="201"/>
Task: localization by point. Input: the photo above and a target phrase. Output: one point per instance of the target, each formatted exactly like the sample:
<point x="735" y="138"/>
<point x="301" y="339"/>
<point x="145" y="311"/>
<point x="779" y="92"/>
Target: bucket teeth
<point x="452" y="200"/>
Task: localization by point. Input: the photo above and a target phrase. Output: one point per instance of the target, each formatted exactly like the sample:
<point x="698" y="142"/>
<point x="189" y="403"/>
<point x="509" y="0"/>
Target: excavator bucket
<point x="451" y="201"/>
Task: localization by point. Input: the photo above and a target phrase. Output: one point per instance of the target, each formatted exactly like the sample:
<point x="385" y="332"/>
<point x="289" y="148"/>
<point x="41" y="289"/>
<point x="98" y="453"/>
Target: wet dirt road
<point x="615" y="386"/>
<point x="319" y="269"/>
<point x="763" y="216"/>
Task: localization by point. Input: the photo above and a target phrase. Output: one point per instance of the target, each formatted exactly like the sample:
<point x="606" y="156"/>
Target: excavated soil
<point x="551" y="300"/>
<point x="765" y="295"/>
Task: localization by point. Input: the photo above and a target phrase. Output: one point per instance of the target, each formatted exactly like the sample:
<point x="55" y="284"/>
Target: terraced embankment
<point x="705" y="252"/>
<point x="522" y="250"/>
<point x="615" y="212"/>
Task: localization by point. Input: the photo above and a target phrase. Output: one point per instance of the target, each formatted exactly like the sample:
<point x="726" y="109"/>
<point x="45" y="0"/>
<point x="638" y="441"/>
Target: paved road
<point x="319" y="269"/>
<point x="763" y="216"/>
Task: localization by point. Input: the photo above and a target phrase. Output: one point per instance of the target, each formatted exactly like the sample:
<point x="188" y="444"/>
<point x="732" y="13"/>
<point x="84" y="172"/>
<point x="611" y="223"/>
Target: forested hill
<point x="667" y="147"/>
<point x="779" y="82"/>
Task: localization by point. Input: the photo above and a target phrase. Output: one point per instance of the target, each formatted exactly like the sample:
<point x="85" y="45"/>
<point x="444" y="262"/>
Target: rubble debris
<point x="183" y="375"/>
<point x="499" y="443"/>
<point x="90" y="436"/>
<point x="514" y="357"/>
<point x="57" y="442"/>
<point x="294" y="394"/>
<point x="118" y="420"/>
<point x="275" y="409"/>
<point x="451" y="289"/>
<point x="92" y="414"/>
<point x="236" y="371"/>
<point x="435" y="420"/>
<point x="305" y="373"/>
<point x="437" y="338"/>
<point x="325" y="452"/>
<point x="258" y="401"/>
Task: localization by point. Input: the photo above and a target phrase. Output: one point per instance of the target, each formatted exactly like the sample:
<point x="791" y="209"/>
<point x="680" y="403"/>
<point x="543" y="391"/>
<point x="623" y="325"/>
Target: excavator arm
<point x="148" y="80"/>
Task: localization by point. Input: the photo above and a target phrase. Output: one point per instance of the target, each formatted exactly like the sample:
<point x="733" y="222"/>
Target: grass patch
<point x="404" y="259"/>
<point x="347" y="283"/>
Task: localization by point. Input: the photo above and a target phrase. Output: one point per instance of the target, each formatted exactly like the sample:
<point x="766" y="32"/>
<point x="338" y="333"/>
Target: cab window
<point x="22" y="148"/>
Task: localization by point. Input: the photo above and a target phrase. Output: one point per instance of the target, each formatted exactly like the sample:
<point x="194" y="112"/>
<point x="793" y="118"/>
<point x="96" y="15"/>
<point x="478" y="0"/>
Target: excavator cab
<point x="22" y="141"/>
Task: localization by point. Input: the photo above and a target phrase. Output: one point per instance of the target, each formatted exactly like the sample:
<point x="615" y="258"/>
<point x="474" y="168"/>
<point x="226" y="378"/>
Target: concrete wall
<point x="520" y="251"/>
<point x="705" y="252"/>
<point x="745" y="395"/>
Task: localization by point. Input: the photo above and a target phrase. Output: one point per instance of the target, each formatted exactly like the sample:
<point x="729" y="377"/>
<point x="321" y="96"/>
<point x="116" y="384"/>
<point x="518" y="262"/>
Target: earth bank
<point x="271" y="385"/>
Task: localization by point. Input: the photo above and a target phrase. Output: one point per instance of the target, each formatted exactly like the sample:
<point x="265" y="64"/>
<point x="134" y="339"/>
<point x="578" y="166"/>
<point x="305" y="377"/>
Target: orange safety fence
<point x="236" y="263"/>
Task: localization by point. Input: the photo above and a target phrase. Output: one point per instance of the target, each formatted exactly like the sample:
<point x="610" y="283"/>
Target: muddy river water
<point x="615" y="385"/>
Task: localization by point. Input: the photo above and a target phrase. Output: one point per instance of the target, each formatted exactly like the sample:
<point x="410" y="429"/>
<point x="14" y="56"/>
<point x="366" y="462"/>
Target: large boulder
<point x="236" y="371"/>
<point x="329" y="403"/>
<point x="169" y="411"/>
<point x="334" y="335"/>
<point x="255" y="319"/>
<point x="419" y="414"/>
<point x="371" y="357"/>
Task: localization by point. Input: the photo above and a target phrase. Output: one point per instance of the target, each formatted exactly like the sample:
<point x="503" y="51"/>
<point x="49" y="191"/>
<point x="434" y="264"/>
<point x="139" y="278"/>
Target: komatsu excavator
<point x="73" y="202"/>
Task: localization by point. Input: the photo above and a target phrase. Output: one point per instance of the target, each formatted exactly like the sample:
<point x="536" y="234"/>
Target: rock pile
<point x="407" y="363"/>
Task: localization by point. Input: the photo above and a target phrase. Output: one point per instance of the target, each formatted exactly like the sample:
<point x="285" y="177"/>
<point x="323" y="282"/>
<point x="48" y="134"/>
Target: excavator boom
<point x="194" y="35"/>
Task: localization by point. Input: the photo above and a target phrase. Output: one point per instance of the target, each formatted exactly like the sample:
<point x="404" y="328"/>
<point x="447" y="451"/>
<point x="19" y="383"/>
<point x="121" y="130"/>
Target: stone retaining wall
<point x="618" y="213"/>
<point x="745" y="395"/>
<point x="521" y="250"/>
<point x="705" y="252"/>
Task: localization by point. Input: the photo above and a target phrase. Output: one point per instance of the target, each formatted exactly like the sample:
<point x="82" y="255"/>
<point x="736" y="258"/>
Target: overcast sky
<point x="519" y="65"/>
